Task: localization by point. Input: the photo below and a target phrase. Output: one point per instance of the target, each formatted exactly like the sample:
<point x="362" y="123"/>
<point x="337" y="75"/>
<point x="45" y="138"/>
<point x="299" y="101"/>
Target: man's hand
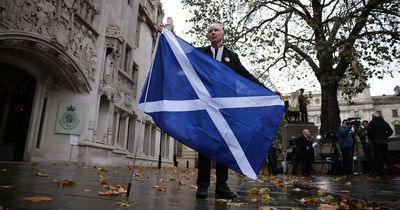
<point x="280" y="94"/>
<point x="160" y="27"/>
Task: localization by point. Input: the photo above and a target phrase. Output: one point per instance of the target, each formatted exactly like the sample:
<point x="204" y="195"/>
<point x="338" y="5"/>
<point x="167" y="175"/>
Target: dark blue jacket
<point x="232" y="60"/>
<point x="345" y="138"/>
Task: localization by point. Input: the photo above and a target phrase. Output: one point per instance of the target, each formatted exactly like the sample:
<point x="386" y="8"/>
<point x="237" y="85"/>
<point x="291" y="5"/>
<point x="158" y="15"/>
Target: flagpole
<point x="142" y="119"/>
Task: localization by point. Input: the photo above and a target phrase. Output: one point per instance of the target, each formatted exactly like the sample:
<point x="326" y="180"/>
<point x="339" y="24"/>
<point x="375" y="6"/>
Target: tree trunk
<point x="330" y="113"/>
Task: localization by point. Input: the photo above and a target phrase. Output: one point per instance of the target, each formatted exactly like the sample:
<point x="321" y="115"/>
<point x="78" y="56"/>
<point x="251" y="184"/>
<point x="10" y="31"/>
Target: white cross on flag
<point x="209" y="107"/>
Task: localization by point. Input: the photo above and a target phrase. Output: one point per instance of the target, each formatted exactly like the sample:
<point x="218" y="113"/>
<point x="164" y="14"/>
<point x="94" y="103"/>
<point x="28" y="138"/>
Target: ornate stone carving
<point x="11" y="43"/>
<point x="92" y="125"/>
<point x="63" y="60"/>
<point x="124" y="95"/>
<point x="113" y="31"/>
<point x="113" y="45"/>
<point x="78" y="78"/>
<point x="65" y="21"/>
<point x="52" y="85"/>
<point x="114" y="39"/>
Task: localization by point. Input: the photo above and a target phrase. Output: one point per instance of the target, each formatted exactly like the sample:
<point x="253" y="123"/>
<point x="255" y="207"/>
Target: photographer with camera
<point x="346" y="147"/>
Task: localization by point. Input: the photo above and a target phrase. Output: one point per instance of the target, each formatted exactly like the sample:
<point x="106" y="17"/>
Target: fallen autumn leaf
<point x="37" y="199"/>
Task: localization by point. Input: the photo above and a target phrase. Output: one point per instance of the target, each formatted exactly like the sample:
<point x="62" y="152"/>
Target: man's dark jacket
<point x="379" y="130"/>
<point x="304" y="149"/>
<point x="231" y="59"/>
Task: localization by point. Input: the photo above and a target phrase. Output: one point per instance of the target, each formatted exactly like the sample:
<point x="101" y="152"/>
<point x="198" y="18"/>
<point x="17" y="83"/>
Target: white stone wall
<point x="71" y="64"/>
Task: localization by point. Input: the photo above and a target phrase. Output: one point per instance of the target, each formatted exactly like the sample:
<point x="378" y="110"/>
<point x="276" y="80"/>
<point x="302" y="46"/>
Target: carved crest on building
<point x="66" y="22"/>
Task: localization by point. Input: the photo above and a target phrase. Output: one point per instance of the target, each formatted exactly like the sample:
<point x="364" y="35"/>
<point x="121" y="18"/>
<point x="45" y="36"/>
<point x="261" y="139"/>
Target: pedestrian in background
<point x="369" y="160"/>
<point x="305" y="152"/>
<point x="378" y="133"/>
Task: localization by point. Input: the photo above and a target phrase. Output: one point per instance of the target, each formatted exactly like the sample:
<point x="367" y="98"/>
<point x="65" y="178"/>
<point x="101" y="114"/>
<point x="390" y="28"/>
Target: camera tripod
<point x="357" y="150"/>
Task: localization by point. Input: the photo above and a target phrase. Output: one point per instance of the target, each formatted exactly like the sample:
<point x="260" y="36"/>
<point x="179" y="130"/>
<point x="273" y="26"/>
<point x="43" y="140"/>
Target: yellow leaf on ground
<point x="102" y="169"/>
<point x="123" y="204"/>
<point x="113" y="190"/>
<point x="308" y="200"/>
<point x="65" y="182"/>
<point x="37" y="199"/>
<point x="57" y="182"/>
<point x="325" y="206"/>
<point x="240" y="204"/>
<point x="103" y="180"/>
<point x="41" y="174"/>
<point x="222" y="200"/>
<point x="68" y="182"/>
<point x="254" y="191"/>
<point x="266" y="197"/>
<point x="321" y="192"/>
<point x="108" y="193"/>
<point x="267" y="208"/>
<point x="160" y="188"/>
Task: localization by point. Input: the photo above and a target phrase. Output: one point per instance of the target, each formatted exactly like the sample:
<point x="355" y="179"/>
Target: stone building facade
<point x="363" y="107"/>
<point x="71" y="71"/>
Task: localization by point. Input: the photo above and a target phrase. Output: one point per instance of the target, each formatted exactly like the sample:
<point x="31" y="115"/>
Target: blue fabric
<point x="254" y="127"/>
<point x="345" y="138"/>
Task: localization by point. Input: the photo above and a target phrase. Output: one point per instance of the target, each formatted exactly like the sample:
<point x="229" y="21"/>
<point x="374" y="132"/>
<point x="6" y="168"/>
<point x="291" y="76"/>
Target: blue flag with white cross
<point x="207" y="106"/>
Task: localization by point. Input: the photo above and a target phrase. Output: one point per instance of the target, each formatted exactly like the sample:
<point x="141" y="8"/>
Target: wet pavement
<point x="172" y="188"/>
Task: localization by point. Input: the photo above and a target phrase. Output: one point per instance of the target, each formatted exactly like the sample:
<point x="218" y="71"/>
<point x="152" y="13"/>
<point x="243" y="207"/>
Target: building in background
<point x="363" y="106"/>
<point x="71" y="71"/>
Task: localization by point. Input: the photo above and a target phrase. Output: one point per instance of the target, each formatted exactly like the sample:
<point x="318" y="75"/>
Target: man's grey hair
<point x="219" y="25"/>
<point x="376" y="114"/>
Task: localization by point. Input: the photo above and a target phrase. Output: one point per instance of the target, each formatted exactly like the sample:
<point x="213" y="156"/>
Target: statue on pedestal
<point x="303" y="101"/>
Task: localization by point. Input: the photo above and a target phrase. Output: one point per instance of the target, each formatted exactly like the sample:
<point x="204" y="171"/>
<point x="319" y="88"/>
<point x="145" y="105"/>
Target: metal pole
<point x="128" y="190"/>
<point x="70" y="153"/>
<point x="159" y="155"/>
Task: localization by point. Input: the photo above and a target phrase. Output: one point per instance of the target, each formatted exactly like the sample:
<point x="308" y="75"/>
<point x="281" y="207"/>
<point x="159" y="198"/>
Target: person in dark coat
<point x="305" y="152"/>
<point x="369" y="166"/>
<point x="378" y="132"/>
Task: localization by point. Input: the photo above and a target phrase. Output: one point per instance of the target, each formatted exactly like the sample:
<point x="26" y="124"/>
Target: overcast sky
<point x="174" y="9"/>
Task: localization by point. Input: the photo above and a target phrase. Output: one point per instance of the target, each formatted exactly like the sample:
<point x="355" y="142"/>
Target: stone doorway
<point x="16" y="98"/>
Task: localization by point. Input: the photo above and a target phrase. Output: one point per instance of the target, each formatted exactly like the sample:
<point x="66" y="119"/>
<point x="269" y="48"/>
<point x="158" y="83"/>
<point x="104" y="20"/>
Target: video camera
<point x="354" y="121"/>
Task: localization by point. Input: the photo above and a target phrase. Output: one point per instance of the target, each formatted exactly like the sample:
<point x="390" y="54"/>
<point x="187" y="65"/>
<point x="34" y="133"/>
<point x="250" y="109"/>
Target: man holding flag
<point x="215" y="34"/>
<point x="213" y="105"/>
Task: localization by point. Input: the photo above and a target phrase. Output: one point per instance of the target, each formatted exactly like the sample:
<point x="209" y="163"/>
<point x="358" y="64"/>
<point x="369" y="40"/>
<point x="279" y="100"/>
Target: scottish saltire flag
<point x="209" y="107"/>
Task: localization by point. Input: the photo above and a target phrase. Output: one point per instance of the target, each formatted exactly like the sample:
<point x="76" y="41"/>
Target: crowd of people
<point x="373" y="137"/>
